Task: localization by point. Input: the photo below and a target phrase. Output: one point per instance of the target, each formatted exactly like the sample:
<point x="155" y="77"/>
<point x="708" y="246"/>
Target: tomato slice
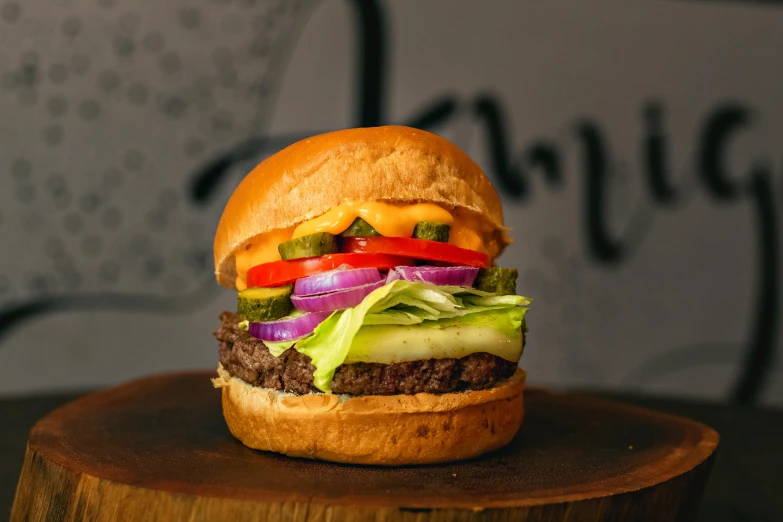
<point x="417" y="249"/>
<point x="279" y="273"/>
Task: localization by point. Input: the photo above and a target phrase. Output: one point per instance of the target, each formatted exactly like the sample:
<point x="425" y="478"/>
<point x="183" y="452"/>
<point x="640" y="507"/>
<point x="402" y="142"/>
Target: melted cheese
<point x="465" y="233"/>
<point x="262" y="249"/>
<point x="388" y="219"/>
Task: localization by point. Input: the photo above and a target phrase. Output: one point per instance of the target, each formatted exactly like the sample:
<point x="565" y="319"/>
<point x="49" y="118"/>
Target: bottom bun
<point x="386" y="430"/>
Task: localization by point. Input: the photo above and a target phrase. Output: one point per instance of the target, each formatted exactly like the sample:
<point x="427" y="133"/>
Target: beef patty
<point x="245" y="357"/>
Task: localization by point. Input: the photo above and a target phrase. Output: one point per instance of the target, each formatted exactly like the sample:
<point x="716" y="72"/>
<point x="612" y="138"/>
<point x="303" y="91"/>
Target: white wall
<point x="676" y="315"/>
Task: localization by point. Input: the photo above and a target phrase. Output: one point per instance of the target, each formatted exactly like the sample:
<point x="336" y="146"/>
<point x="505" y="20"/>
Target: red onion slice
<point x="439" y="275"/>
<point x="392" y="276"/>
<point x="334" y="280"/>
<point x="347" y="298"/>
<point x="287" y="329"/>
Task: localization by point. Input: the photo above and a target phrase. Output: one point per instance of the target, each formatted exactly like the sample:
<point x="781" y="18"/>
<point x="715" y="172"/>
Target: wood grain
<point x="158" y="449"/>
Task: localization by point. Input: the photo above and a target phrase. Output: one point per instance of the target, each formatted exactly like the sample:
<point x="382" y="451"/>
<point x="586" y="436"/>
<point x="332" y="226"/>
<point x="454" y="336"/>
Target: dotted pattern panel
<point x="109" y="108"/>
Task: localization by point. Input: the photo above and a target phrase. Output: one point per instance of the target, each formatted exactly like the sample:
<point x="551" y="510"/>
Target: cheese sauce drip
<point x="388" y="219"/>
<point x="262" y="249"/>
<point x="392" y="220"/>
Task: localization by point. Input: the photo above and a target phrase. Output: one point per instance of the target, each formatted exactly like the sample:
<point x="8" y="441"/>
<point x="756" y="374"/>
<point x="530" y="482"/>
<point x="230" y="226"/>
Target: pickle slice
<point x="318" y="244"/>
<point x="360" y="228"/>
<point x="432" y="231"/>
<point x="265" y="304"/>
<point x="498" y="280"/>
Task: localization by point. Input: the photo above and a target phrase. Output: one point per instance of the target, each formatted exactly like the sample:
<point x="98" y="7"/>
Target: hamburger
<point x="372" y="324"/>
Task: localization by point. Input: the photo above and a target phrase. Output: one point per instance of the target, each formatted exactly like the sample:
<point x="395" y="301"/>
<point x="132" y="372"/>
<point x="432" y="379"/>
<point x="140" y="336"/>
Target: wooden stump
<point x="158" y="449"/>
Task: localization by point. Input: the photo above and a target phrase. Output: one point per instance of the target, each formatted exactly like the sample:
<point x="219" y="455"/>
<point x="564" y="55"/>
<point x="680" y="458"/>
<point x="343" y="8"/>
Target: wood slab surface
<point x="158" y="449"/>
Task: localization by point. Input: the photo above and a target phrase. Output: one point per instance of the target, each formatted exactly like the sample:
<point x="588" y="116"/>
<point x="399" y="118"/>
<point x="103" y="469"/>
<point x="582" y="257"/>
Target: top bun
<point x="392" y="164"/>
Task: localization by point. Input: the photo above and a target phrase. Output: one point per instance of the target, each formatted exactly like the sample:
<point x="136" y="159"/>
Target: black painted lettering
<point x="656" y="156"/>
<point x="601" y="244"/>
<point x="509" y="176"/>
<point x="718" y="130"/>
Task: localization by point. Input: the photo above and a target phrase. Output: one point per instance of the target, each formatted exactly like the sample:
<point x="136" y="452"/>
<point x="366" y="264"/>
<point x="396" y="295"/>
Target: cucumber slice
<point x="318" y="244"/>
<point x="432" y="231"/>
<point x="498" y="280"/>
<point x="360" y="228"/>
<point x="265" y="304"/>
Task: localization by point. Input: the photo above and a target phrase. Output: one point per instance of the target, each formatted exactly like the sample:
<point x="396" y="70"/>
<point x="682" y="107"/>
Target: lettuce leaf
<point x="405" y="303"/>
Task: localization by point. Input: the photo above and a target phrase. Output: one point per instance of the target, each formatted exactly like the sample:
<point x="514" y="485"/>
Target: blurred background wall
<point x="636" y="146"/>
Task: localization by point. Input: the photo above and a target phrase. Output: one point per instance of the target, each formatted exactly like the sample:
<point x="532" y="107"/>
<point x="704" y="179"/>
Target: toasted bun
<point x="383" y="430"/>
<point x="308" y="178"/>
